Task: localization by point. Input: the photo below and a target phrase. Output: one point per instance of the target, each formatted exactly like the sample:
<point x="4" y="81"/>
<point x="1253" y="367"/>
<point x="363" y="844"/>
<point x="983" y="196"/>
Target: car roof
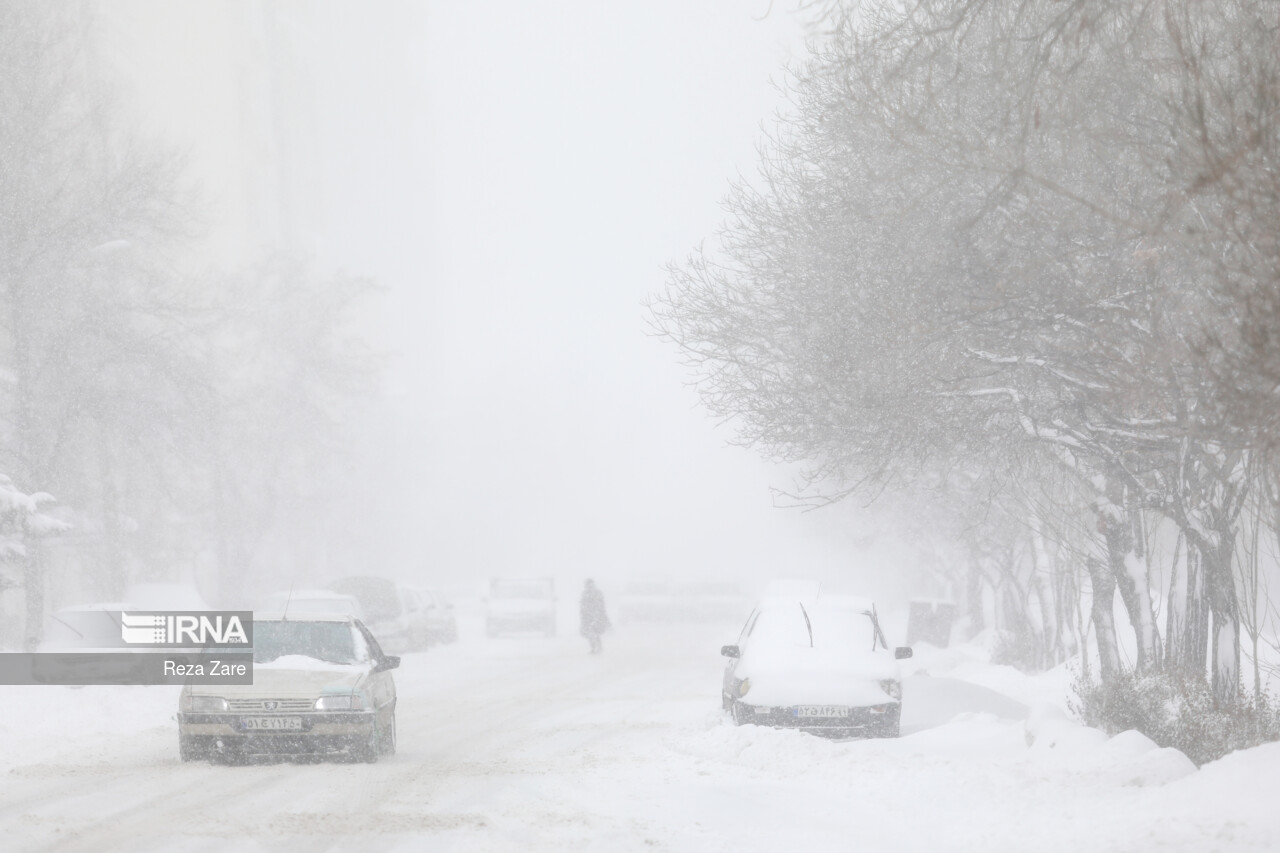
<point x="850" y="603"/>
<point x="312" y="593"/>
<point x="308" y="617"/>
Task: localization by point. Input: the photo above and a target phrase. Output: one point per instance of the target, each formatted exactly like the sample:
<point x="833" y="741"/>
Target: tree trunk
<point x="1220" y="585"/>
<point x="1120" y="523"/>
<point x="1195" y="635"/>
<point x="973" y="599"/>
<point x="1176" y="611"/>
<point x="1104" y="624"/>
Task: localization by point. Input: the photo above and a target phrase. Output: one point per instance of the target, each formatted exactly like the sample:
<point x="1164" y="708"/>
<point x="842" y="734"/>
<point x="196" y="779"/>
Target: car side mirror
<point x="732" y="651"/>
<point x="388" y="662"/>
<point x="902" y="652"/>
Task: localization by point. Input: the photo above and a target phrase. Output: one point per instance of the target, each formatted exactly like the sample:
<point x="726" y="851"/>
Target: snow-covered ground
<point x="531" y="744"/>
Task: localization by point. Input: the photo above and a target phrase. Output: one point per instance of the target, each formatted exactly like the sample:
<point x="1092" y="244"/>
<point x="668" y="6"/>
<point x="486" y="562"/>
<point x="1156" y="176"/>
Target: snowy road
<point x="518" y="744"/>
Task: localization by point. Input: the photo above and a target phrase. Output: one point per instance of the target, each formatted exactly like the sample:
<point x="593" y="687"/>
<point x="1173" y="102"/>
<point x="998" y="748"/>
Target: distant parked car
<point x="647" y="600"/>
<point x="437" y="614"/>
<point x="295" y="602"/>
<point x="821" y="665"/>
<point x="390" y="612"/>
<point x="165" y="596"/>
<point x="321" y="685"/>
<point x="81" y="635"/>
<point x="710" y="601"/>
<point x="520" y="605"/>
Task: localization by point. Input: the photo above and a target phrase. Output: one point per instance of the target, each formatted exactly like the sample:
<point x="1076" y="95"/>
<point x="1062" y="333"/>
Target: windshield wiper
<point x="807" y="624"/>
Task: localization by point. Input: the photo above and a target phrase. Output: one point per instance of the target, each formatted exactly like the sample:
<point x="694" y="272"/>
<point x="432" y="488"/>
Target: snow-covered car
<point x="299" y="602"/>
<point x="86" y="639"/>
<point x="516" y="605"/>
<point x="321" y="685"/>
<point x="389" y="611"/>
<point x="821" y="665"/>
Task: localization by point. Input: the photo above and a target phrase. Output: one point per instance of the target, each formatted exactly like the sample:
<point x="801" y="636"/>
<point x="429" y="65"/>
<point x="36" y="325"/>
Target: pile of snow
<point x="1129" y="758"/>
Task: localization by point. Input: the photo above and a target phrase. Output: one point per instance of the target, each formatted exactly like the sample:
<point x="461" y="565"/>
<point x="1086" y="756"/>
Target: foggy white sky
<point x="516" y="175"/>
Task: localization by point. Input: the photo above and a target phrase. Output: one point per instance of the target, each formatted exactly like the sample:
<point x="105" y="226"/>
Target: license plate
<point x="821" y="711"/>
<point x="272" y="724"/>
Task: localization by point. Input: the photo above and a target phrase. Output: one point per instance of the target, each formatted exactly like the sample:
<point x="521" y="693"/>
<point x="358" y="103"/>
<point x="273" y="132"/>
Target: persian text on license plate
<point x="272" y="724"/>
<point x="821" y="711"/>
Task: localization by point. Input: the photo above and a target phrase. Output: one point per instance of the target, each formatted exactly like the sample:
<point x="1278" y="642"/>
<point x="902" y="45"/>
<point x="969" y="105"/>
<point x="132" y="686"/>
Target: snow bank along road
<point x="515" y="744"/>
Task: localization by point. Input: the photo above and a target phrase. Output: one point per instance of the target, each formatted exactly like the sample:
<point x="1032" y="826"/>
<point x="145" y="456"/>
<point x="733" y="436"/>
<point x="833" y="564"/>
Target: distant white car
<point x="313" y="601"/>
<point x="516" y="605"/>
<point x="165" y="596"/>
<point x="647" y="600"/>
<point x="821" y="665"/>
<point x="436" y="614"/>
<point x="321" y="685"/>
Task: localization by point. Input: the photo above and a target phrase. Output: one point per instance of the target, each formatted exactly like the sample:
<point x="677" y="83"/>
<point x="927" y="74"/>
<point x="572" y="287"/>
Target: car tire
<point x="387" y="738"/>
<point x="189" y="749"/>
<point x="365" y="750"/>
<point x="737" y="714"/>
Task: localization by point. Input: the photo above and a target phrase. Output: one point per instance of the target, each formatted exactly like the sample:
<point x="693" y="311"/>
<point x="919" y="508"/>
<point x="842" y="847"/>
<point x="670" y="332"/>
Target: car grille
<point x="271" y="705"/>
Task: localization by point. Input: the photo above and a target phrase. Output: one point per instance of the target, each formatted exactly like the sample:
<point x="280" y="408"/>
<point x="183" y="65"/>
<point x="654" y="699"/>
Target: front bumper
<point x="326" y="731"/>
<point x="871" y="721"/>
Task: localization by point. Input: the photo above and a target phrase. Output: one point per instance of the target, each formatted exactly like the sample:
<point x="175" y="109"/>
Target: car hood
<point x="806" y="676"/>
<point x="292" y="676"/>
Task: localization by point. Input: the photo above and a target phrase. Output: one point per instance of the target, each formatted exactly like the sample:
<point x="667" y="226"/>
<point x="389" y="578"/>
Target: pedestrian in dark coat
<point x="595" y="621"/>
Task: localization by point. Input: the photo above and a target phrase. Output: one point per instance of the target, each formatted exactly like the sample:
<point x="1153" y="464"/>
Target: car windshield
<point x="334" y="642"/>
<point x="840" y="628"/>
<point x="520" y="589"/>
<point x="832" y="627"/>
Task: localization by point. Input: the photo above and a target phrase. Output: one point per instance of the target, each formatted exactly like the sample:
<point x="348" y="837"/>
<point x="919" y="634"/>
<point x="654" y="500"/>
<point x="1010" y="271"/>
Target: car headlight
<point x="205" y="704"/>
<point x="892" y="687"/>
<point x="344" y="702"/>
<point x="743" y="687"/>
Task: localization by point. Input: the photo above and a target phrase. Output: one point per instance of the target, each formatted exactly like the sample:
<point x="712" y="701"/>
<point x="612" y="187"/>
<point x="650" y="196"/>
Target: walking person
<point x="594" y="619"/>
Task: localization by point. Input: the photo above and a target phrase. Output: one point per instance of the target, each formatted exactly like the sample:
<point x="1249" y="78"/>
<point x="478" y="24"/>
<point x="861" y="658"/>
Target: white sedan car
<point x="321" y="685"/>
<point x="821" y="665"/>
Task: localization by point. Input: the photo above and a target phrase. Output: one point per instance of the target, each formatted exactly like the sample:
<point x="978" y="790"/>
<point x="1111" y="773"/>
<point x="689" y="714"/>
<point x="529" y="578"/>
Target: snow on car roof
<point x="274" y="616"/>
<point x="311" y="593"/>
